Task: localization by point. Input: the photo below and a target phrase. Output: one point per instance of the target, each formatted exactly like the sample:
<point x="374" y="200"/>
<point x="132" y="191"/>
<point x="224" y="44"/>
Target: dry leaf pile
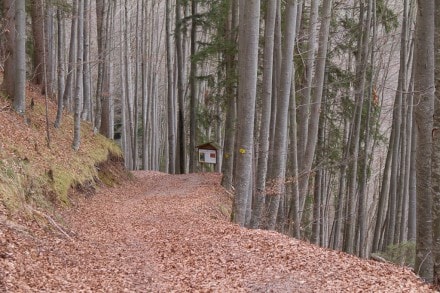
<point x="170" y="233"/>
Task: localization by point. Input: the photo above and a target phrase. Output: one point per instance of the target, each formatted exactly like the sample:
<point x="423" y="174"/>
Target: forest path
<point x="170" y="233"/>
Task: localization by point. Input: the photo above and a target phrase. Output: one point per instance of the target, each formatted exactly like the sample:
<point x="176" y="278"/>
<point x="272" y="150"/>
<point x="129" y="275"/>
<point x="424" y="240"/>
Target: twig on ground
<point x="52" y="222"/>
<point x="378" y="258"/>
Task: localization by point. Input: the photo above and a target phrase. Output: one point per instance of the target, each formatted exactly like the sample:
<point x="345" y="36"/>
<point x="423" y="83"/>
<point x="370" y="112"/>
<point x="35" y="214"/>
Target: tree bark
<point x="9" y="77"/>
<point x="277" y="174"/>
<point x="231" y="101"/>
<point x="248" y="61"/>
<point x="100" y="37"/>
<point x="61" y="65"/>
<point x="193" y="86"/>
<point x="181" y="138"/>
<point x="67" y="96"/>
<point x="37" y="15"/>
<point x="104" y="105"/>
<point x="361" y="71"/>
<point x="170" y="94"/>
<point x="263" y="149"/>
<point x="79" y="77"/>
<point x="20" y="57"/>
<point x="87" y="101"/>
<point x="436" y="153"/>
<point x="424" y="100"/>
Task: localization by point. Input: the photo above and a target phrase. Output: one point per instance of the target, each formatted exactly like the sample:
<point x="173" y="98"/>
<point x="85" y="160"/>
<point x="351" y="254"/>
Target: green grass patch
<point x="402" y="254"/>
<point x="34" y="175"/>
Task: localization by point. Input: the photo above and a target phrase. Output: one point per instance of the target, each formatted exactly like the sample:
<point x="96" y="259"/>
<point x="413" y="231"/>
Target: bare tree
<point x="20" y="57"/>
<point x="436" y="155"/>
<point x="170" y="94"/>
<point x="276" y="176"/>
<point x="231" y="111"/>
<point x="181" y="137"/>
<point x="87" y="101"/>
<point x="424" y="100"/>
<point x="61" y="65"/>
<point x="79" y="77"/>
<point x="8" y="81"/>
<point x="248" y="61"/>
<point x="193" y="89"/>
<point x="67" y="95"/>
<point x="263" y="148"/>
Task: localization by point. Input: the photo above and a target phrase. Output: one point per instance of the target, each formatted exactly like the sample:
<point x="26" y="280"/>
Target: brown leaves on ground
<point x="44" y="171"/>
<point x="169" y="233"/>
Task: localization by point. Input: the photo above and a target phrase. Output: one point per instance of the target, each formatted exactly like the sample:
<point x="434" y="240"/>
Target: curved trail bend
<point x="170" y="233"/>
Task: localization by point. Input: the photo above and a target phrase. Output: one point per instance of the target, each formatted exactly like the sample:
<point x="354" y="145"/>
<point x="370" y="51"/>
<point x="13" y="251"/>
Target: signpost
<point x="208" y="156"/>
<point x="208" y="153"/>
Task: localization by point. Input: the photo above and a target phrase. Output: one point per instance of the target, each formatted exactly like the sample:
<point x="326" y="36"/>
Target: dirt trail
<point x="164" y="233"/>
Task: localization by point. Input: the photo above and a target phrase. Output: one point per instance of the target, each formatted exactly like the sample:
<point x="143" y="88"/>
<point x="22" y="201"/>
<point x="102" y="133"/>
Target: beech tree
<point x="87" y="101"/>
<point x="230" y="97"/>
<point x="263" y="148"/>
<point x="436" y="153"/>
<point x="61" y="65"/>
<point x="181" y="75"/>
<point x="193" y="87"/>
<point x="9" y="52"/>
<point x="278" y="169"/>
<point x="424" y="100"/>
<point x="79" y="78"/>
<point x="359" y="87"/>
<point x="248" y="61"/>
<point x="170" y="94"/>
<point x="20" y="57"/>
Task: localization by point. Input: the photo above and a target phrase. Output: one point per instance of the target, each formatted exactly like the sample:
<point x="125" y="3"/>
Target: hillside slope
<point x="171" y="233"/>
<point x="35" y="174"/>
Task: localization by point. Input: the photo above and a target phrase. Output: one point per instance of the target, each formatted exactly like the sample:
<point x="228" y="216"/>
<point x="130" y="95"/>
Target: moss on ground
<point x="402" y="254"/>
<point x="36" y="174"/>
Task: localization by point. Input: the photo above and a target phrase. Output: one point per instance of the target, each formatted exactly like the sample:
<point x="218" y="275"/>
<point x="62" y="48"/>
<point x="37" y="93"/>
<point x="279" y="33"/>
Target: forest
<point x="325" y="112"/>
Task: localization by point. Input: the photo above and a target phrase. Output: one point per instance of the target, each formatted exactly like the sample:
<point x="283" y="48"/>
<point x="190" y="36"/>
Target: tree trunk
<point x="67" y="96"/>
<point x="129" y="95"/>
<point x="170" y="94"/>
<point x="306" y="90"/>
<point x="49" y="53"/>
<point x="263" y="149"/>
<point x="277" y="174"/>
<point x="104" y="105"/>
<point x="383" y="196"/>
<point x="231" y="101"/>
<point x="193" y="86"/>
<point x="79" y="77"/>
<point x="363" y="219"/>
<point x="424" y="100"/>
<point x="292" y="171"/>
<point x="181" y="145"/>
<point x="144" y="89"/>
<point x="136" y="89"/>
<point x="361" y="71"/>
<point x="61" y="65"/>
<point x="100" y="37"/>
<point x="338" y="225"/>
<point x="412" y="201"/>
<point x="248" y="61"/>
<point x="436" y="153"/>
<point x="87" y="101"/>
<point x="20" y="57"/>
<point x="9" y="77"/>
<point x="37" y="14"/>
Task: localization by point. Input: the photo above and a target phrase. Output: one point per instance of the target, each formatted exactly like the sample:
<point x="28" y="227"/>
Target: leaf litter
<point x="170" y="233"/>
